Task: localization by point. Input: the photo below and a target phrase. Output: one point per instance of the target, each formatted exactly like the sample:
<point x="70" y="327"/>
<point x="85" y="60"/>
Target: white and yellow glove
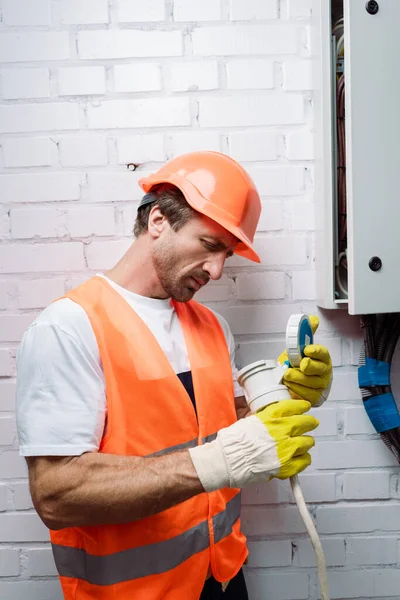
<point x="269" y="444"/>
<point x="313" y="379"/>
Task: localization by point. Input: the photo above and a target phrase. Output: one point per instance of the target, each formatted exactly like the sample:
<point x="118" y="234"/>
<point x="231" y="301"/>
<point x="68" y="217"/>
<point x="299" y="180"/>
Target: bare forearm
<point x="95" y="489"/>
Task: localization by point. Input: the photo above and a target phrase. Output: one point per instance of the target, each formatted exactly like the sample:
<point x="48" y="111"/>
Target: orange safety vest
<point x="165" y="556"/>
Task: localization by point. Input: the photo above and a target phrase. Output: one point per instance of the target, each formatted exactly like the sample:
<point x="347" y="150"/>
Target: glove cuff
<point x="209" y="462"/>
<point x="249" y="451"/>
<point x="241" y="454"/>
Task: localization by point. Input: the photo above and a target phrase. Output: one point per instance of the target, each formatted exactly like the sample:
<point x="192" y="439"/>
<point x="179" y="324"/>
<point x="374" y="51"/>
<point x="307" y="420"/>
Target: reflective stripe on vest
<point x="146" y="560"/>
<point x="184" y="446"/>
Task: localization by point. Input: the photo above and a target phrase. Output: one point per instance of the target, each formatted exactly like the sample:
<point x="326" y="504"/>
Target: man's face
<point x="187" y="259"/>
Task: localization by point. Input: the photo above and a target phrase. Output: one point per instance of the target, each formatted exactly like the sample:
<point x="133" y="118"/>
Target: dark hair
<point x="171" y="203"/>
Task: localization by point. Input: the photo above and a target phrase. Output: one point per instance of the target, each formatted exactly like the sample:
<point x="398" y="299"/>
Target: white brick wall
<point x="139" y="149"/>
<point x="6" y="364"/>
<point x="81" y="81"/>
<point x="207" y="10"/>
<point x="40" y="187"/>
<point x="87" y="87"/>
<point x="83" y="151"/>
<point x="253" y="145"/>
<point x="137" y="77"/>
<point x="136" y="12"/>
<point x="300" y="146"/>
<point x="251" y="74"/>
<point x="192" y="76"/>
<point x="10" y="562"/>
<point x="334" y="550"/>
<point x="129" y="44"/>
<point x="25" y="83"/>
<point x="297" y="75"/>
<point x="90" y="12"/>
<point x="149" y="112"/>
<point x="54" y="223"/>
<point x="21" y="495"/>
<point x="232" y="111"/>
<point x="40" y="562"/>
<point x="26" y="13"/>
<point x="38" y="117"/>
<point x="180" y="143"/>
<point x="245" y="39"/>
<point x="299" y="8"/>
<point x="27" y="47"/>
<point x="29" y="152"/>
<point x="243" y="10"/>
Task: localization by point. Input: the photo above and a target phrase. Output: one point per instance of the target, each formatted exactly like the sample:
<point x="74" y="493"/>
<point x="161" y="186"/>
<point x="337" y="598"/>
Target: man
<point x="128" y="410"/>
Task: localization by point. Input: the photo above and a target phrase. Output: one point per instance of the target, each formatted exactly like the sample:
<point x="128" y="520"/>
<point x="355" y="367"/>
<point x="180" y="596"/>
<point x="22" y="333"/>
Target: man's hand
<point x="269" y="444"/>
<point x="312" y="380"/>
<point x="242" y="408"/>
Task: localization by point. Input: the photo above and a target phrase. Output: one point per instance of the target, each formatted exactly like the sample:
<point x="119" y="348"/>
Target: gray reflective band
<point x="152" y="559"/>
<point x="209" y="438"/>
<point x="171" y="449"/>
<point x="183" y="446"/>
<point x="224" y="521"/>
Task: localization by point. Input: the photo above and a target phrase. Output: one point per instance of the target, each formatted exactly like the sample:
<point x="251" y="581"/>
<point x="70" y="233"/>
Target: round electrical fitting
<point x="298" y="335"/>
<point x="372" y="7"/>
<point x="375" y="263"/>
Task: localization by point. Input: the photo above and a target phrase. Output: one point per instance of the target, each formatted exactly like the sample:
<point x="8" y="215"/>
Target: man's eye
<point x="209" y="246"/>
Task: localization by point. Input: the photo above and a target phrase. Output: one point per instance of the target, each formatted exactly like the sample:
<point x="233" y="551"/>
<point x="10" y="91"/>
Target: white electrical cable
<point x="257" y="386"/>
<point x="314" y="537"/>
<point x="340" y="45"/>
<point x="339" y="24"/>
<point x="299" y="334"/>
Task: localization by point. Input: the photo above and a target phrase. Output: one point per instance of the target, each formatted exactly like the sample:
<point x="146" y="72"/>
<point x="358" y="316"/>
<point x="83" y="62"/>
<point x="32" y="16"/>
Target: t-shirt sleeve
<point x="230" y="341"/>
<point x="60" y="400"/>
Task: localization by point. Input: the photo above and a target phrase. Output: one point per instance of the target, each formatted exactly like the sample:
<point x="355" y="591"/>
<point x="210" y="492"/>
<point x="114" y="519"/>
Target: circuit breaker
<point x="356" y="48"/>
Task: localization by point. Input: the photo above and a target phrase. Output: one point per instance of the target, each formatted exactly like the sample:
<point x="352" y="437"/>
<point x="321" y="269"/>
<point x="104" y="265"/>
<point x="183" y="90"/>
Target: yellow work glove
<point x="286" y="424"/>
<point x="312" y="380"/>
<point x="268" y="444"/>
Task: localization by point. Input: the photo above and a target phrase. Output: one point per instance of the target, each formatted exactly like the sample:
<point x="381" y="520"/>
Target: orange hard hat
<point x="218" y="187"/>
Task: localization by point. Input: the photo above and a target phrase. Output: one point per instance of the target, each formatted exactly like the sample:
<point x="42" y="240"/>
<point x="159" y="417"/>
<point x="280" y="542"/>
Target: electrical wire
<point x="381" y="335"/>
<point x="313" y="535"/>
<point x="341" y="166"/>
<point x="339" y="26"/>
<point x="341" y="261"/>
<point x="340" y="46"/>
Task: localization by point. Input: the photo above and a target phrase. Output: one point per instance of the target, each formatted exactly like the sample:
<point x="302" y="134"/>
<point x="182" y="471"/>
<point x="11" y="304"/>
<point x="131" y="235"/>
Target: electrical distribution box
<point x="356" y="45"/>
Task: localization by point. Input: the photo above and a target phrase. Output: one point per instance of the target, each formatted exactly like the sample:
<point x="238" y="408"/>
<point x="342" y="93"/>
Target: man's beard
<point x="164" y="261"/>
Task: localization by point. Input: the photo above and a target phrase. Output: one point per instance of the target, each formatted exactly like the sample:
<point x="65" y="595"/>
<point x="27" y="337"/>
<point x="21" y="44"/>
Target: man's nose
<point x="215" y="266"/>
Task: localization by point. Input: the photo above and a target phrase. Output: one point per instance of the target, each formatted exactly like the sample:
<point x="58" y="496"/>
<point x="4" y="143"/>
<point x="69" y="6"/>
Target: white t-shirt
<point x="61" y="398"/>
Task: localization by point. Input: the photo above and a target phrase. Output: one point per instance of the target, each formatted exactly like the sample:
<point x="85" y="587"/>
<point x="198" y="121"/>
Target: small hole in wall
<point x="294" y="550"/>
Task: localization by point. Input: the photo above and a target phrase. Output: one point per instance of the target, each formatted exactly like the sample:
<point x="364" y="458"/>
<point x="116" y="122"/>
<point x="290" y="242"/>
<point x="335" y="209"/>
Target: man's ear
<point x="157" y="223"/>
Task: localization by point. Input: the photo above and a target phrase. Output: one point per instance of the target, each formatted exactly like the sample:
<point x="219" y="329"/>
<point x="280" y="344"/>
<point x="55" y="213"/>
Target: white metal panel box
<point x="372" y="76"/>
<point x="372" y="117"/>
